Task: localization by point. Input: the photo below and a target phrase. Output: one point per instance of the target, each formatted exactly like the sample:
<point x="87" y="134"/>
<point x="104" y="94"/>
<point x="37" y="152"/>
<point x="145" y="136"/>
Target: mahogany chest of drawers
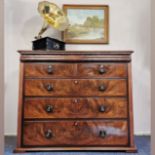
<point x="74" y="100"/>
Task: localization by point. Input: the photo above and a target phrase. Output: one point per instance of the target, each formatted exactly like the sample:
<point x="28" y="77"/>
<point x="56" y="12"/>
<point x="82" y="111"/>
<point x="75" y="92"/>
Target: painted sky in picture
<point x="78" y="16"/>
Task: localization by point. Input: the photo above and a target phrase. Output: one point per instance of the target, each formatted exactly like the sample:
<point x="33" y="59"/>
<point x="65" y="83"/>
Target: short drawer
<point x="97" y="107"/>
<point x="98" y="70"/>
<point x="106" y="70"/>
<point x="75" y="133"/>
<point x="37" y="70"/>
<point x="76" y="87"/>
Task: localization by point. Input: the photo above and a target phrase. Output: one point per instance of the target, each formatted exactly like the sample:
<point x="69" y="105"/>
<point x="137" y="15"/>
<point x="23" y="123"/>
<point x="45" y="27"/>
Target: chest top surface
<point x="41" y="55"/>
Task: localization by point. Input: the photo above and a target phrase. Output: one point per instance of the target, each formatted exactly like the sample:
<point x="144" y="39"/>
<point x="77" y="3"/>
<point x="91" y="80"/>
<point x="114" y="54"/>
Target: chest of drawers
<point x="74" y="100"/>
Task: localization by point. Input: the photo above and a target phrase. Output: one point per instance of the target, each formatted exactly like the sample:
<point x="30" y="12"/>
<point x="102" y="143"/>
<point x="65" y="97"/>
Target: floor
<point x="142" y="143"/>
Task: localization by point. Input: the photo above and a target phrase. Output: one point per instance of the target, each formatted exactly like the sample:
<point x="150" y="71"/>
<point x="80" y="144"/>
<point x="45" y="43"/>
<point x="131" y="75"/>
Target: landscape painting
<point x="88" y="24"/>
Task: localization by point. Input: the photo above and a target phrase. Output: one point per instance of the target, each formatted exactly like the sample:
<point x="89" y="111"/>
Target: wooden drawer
<point x="97" y="107"/>
<point x="75" y="133"/>
<point x="43" y="70"/>
<point x="76" y="87"/>
<point x="102" y="70"/>
<point x="36" y="70"/>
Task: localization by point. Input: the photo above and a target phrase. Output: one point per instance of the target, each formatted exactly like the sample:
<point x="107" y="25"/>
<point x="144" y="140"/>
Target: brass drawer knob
<point x="50" y="69"/>
<point x="102" y="134"/>
<point x="102" y="88"/>
<point x="49" y="108"/>
<point x="49" y="87"/>
<point x="48" y="134"/>
<point x="102" y="108"/>
<point x="102" y="70"/>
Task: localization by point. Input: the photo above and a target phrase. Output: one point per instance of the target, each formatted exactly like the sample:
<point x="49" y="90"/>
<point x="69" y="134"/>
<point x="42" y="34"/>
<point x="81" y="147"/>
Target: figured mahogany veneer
<point x="64" y="70"/>
<point x="49" y="69"/>
<point x="76" y="87"/>
<point x="97" y="107"/>
<point x="74" y="100"/>
<point x="75" y="133"/>
<point x="102" y="70"/>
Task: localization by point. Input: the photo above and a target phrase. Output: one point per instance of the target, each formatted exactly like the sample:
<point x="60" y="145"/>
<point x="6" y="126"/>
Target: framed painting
<point x="89" y="24"/>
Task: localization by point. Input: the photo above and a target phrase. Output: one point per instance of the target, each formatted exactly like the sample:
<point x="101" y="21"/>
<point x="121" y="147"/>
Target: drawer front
<point x="102" y="70"/>
<point x="76" y="87"/>
<point x="75" y="108"/>
<point x="75" y="133"/>
<point x="78" y="69"/>
<point x="49" y="69"/>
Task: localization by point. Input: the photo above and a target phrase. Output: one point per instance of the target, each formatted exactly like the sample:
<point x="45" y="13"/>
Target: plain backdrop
<point x="129" y="30"/>
<point x="1" y="77"/>
<point x="152" y="77"/>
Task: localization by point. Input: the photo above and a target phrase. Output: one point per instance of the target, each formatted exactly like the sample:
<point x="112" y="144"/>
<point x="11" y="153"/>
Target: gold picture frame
<point x="89" y="24"/>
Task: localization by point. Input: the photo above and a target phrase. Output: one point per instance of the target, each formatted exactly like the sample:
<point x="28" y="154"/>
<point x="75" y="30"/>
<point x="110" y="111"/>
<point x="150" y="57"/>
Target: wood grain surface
<point x="98" y="107"/>
<point x="75" y="100"/>
<point x="75" y="133"/>
<point x="98" y="70"/>
<point x="43" y="70"/>
<point x="75" y="56"/>
<point x="76" y="87"/>
<point x="102" y="70"/>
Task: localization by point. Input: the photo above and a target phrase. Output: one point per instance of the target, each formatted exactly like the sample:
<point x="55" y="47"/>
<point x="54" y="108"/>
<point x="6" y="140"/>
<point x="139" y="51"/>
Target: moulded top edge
<point x="60" y="52"/>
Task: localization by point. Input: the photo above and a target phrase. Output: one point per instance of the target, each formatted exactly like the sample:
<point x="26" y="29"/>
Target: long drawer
<point x="51" y="70"/>
<point x="75" y="133"/>
<point x="76" y="87"/>
<point x="54" y="108"/>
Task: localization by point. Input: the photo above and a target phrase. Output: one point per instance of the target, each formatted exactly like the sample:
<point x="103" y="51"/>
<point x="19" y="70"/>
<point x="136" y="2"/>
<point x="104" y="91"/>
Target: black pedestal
<point x="48" y="44"/>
